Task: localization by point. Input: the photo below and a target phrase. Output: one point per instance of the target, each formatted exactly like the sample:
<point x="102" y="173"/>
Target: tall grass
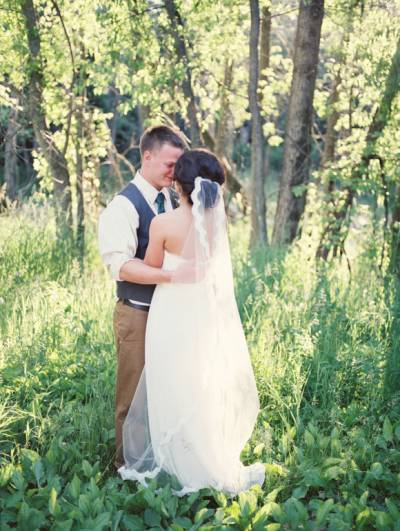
<point x="319" y="345"/>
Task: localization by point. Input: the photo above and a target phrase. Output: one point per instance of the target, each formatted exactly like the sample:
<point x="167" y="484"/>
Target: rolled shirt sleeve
<point x="117" y="234"/>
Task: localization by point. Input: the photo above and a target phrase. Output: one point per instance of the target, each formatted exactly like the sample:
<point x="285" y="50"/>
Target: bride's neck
<point x="184" y="202"/>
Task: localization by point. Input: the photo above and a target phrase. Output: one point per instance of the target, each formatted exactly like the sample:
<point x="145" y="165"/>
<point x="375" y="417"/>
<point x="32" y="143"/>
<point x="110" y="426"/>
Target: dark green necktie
<point x="160" y="203"/>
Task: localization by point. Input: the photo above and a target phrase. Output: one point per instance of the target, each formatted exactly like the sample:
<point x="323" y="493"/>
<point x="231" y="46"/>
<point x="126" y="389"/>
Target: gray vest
<point x="130" y="290"/>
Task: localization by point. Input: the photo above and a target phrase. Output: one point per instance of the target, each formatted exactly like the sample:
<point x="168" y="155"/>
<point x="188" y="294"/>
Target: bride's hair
<point x="200" y="163"/>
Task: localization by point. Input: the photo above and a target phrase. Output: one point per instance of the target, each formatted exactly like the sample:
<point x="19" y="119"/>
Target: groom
<point x="124" y="236"/>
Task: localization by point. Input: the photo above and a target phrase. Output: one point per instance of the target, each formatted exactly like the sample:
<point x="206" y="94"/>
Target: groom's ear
<point x="146" y="155"/>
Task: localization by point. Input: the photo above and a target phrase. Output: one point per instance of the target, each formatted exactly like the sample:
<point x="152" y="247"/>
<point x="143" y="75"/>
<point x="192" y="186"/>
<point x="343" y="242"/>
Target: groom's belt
<point x="142" y="307"/>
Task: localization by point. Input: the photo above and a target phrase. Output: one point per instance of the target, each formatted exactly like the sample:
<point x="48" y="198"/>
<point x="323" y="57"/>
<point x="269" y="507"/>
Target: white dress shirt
<point x="118" y="224"/>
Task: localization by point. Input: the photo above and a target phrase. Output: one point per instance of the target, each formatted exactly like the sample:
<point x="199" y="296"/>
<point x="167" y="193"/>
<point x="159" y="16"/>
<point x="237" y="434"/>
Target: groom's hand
<point x="189" y="272"/>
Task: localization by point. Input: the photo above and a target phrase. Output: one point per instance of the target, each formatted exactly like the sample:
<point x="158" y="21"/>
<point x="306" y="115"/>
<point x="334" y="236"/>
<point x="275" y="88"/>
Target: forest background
<point x="301" y="102"/>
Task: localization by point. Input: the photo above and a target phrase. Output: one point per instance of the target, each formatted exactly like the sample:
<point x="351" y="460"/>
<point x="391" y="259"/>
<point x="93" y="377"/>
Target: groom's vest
<point x="131" y="290"/>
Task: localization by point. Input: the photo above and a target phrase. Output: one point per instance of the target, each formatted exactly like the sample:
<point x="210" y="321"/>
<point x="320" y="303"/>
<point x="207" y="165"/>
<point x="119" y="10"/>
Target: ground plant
<point x="319" y="339"/>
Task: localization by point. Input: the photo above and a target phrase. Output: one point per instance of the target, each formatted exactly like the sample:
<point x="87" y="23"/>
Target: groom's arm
<point x="137" y="271"/>
<point x="117" y="233"/>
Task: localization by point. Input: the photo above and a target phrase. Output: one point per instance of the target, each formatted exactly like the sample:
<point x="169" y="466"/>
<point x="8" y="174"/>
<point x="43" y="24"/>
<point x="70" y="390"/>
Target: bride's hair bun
<point x="208" y="192"/>
<point x="195" y="163"/>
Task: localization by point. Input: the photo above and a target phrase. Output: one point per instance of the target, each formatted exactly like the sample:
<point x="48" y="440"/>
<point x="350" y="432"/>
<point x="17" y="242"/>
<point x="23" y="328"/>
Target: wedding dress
<point x="196" y="403"/>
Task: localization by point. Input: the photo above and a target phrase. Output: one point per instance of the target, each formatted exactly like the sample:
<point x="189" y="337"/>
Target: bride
<point x="196" y="403"/>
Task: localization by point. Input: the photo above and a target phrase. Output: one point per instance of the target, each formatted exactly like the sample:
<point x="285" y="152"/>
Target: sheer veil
<point x="213" y="404"/>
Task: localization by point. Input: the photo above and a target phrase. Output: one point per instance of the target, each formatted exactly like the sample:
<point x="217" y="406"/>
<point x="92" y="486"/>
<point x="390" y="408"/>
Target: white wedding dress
<point x="196" y="403"/>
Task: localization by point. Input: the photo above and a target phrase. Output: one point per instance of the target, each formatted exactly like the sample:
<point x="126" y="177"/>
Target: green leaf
<point x="38" y="470"/>
<point x="364" y="498"/>
<point x="75" y="487"/>
<point x="275" y="140"/>
<point x="300" y="492"/>
<point x="202" y="515"/>
<point x="364" y="516"/>
<point x="64" y="525"/>
<point x="387" y="430"/>
<point x="183" y="522"/>
<point x="85" y="504"/>
<point x="260" y="519"/>
<point x="247" y="504"/>
<point x="53" y="505"/>
<point x="333" y="472"/>
<point x="135" y="502"/>
<point x="323" y="510"/>
<point x="376" y="470"/>
<point x="309" y="439"/>
<point x="220" y="498"/>
<point x="132" y="522"/>
<point x="258" y="450"/>
<point x="383" y="520"/>
<point x="102" y="520"/>
<point x="271" y="496"/>
<point x="87" y="469"/>
<point x="29" y="518"/>
<point x="392" y="508"/>
<point x="152" y="518"/>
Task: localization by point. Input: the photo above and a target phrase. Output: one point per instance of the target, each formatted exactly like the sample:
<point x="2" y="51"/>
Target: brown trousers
<point x="129" y="331"/>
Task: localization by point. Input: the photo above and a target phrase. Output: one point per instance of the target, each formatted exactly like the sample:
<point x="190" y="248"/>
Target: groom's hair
<point x="155" y="137"/>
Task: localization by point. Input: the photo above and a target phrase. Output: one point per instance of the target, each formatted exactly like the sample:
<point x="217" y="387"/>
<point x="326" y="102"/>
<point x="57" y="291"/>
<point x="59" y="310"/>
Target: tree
<point x="177" y="27"/>
<point x="258" y="212"/>
<point x="10" y="154"/>
<point x="297" y="146"/>
<point x="336" y="230"/>
<point x="55" y="158"/>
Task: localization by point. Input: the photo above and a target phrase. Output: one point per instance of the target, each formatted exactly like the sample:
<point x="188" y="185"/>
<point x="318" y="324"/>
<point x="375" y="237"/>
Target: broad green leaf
<point x="53" y="505"/>
<point x="133" y="522"/>
<point x="202" y="515"/>
<point x="364" y="498"/>
<point x="383" y="520"/>
<point x="323" y="511"/>
<point x="376" y="470"/>
<point x="87" y="469"/>
<point x="392" y="508"/>
<point x="309" y="439"/>
<point x="333" y="472"/>
<point x="183" y="522"/>
<point x="151" y="518"/>
<point x="387" y="430"/>
<point x="38" y="470"/>
<point x="75" y="487"/>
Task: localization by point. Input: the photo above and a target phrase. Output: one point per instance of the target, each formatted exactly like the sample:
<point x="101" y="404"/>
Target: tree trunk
<point x="328" y="157"/>
<point x="265" y="52"/>
<point x="330" y="139"/>
<point x="10" y="155"/>
<point x="79" y="147"/>
<point x="187" y="88"/>
<point x="297" y="147"/>
<point x="233" y="186"/>
<point x="258" y="206"/>
<point x="54" y="157"/>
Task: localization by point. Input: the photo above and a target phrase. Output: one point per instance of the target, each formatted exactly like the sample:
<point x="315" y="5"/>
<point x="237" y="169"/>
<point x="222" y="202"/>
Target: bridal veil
<point x="196" y="404"/>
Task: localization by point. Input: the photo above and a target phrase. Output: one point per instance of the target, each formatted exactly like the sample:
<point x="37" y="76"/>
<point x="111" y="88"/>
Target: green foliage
<point x="330" y="442"/>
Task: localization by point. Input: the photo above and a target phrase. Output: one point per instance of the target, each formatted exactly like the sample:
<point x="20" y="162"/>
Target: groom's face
<point x="159" y="163"/>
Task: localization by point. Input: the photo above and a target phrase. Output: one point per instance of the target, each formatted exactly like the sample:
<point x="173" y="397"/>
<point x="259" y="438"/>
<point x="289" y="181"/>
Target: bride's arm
<point x="155" y="250"/>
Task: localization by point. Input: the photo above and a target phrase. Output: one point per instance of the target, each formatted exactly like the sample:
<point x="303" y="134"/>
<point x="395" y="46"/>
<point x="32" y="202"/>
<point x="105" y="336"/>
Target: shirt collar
<point x="148" y="191"/>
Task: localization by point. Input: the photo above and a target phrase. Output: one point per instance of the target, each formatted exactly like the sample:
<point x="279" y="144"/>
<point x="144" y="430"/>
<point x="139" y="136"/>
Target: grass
<point x="328" y="430"/>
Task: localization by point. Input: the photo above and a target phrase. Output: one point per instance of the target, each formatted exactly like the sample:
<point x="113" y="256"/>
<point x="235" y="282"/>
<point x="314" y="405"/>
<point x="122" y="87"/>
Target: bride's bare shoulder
<point x="167" y="220"/>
